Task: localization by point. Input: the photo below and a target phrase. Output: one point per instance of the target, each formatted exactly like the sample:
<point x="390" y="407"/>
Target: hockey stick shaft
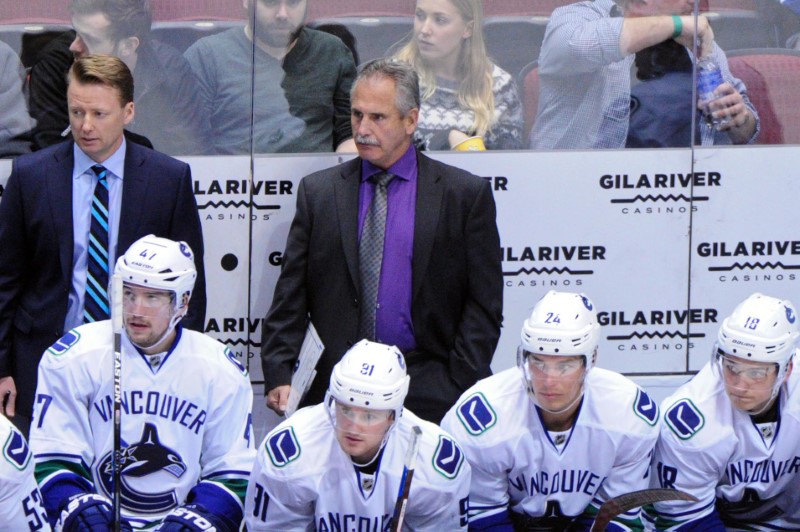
<point x="405" y="481"/>
<point x="116" y="326"/>
<point x="623" y="503"/>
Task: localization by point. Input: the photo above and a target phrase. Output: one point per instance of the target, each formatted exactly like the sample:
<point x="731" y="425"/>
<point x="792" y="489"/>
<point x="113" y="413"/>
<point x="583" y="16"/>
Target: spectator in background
<point x="463" y="93"/>
<point x="169" y="111"/>
<point x="46" y="220"/>
<point x="662" y="107"/>
<point x="15" y="122"/>
<point x="585" y="65"/>
<point x="299" y="100"/>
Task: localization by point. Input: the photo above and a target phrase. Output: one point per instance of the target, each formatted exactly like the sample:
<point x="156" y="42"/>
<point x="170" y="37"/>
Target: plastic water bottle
<point x="709" y="77"/>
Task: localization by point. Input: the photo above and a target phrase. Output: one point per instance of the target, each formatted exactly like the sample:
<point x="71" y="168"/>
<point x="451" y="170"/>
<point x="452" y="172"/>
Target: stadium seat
<point x="504" y="8"/>
<point x="739" y="29"/>
<point x="34" y="12"/>
<point x="513" y="42"/>
<point x="28" y="39"/>
<point x="182" y="34"/>
<point x="325" y="9"/>
<point x="725" y="5"/>
<point x="175" y="10"/>
<point x="772" y="77"/>
<point x="529" y="91"/>
<point x="374" y="35"/>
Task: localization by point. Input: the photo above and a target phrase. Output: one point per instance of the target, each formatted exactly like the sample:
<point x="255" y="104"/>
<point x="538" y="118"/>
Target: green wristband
<point x="677" y="23"/>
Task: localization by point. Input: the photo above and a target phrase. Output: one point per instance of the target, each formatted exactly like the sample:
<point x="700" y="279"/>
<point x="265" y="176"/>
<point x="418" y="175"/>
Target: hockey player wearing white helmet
<point x="186" y="450"/>
<point x="730" y="434"/>
<point x="158" y="277"/>
<point x="338" y="465"/>
<point x="552" y="439"/>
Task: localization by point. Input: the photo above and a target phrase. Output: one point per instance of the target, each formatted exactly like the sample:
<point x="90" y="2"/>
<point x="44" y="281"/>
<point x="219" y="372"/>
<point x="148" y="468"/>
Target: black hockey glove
<point x="195" y="518"/>
<point x="88" y="512"/>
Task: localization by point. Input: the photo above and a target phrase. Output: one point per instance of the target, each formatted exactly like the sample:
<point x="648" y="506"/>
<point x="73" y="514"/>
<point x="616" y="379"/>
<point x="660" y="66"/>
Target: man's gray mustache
<point x="367" y="140"/>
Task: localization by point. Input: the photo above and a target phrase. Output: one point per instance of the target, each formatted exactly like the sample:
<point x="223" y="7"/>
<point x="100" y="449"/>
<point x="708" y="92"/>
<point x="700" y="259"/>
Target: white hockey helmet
<point x="371" y="375"/>
<point x="159" y="263"/>
<point x="760" y="329"/>
<point x="562" y="324"/>
<point x="162" y="264"/>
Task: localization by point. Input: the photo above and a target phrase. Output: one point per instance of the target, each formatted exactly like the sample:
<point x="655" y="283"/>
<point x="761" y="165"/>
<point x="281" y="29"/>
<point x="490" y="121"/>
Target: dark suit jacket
<point x="37" y="246"/>
<point x="457" y="286"/>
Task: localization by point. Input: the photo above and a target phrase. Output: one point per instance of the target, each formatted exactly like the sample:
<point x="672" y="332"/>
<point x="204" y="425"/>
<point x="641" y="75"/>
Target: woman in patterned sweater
<point x="463" y="93"/>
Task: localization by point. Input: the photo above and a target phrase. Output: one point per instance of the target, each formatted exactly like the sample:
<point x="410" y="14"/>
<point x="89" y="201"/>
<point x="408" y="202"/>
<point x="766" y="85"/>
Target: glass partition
<point x="263" y="86"/>
<point x="523" y="74"/>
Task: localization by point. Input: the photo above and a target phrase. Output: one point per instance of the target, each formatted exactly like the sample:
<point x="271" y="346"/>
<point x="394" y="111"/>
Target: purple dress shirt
<point x="393" y="314"/>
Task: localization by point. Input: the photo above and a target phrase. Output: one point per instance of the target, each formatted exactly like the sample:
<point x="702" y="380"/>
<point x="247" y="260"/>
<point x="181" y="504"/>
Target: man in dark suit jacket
<point x="44" y="248"/>
<point x="440" y="291"/>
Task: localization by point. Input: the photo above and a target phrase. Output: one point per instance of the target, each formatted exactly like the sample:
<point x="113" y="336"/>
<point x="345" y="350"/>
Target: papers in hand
<point x="304" y="371"/>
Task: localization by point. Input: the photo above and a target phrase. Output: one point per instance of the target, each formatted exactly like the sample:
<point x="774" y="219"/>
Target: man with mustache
<point x="296" y="103"/>
<point x="436" y="290"/>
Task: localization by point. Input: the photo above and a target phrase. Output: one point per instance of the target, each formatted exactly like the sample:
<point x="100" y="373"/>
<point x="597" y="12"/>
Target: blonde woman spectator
<point x="463" y="93"/>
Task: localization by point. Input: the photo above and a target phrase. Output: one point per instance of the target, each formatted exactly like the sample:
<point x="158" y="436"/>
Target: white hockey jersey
<point x="518" y="467"/>
<point x="20" y="501"/>
<point x="186" y="421"/>
<point x="713" y="451"/>
<point x="303" y="480"/>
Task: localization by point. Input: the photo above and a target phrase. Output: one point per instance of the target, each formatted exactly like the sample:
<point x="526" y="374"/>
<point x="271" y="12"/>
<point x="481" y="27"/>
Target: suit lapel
<point x="428" y="209"/>
<point x="134" y="193"/>
<point x="345" y="189"/>
<point x="58" y="179"/>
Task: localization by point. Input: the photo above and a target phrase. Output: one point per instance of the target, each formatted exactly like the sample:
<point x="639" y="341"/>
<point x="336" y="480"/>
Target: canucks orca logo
<point x="586" y="302"/>
<point x="235" y="361"/>
<point x="283" y="447"/>
<point x="684" y="419"/>
<point x="448" y="458"/>
<point x="645" y="407"/>
<point x="16" y="450"/>
<point x="143" y="463"/>
<point x="476" y="414"/>
<point x="64" y="343"/>
<point x="790" y="314"/>
<point x="185" y="250"/>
